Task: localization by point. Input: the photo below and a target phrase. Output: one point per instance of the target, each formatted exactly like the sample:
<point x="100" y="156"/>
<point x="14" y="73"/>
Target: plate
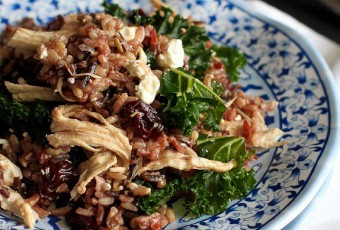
<point x="281" y="66"/>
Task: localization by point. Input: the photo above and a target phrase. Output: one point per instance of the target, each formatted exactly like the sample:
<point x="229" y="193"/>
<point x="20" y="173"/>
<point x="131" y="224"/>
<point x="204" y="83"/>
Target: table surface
<point x="324" y="211"/>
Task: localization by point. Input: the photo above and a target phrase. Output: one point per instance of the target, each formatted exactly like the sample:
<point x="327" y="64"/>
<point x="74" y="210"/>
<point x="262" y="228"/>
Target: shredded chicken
<point x="69" y="131"/>
<point x="185" y="162"/>
<point x="31" y="40"/>
<point x="234" y="128"/>
<point x="262" y="136"/>
<point x="95" y="165"/>
<point x="16" y="204"/>
<point x="28" y="93"/>
<point x="9" y="170"/>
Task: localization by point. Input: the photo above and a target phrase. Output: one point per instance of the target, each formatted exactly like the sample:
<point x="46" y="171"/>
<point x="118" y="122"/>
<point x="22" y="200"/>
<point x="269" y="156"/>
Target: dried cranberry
<point x="53" y="174"/>
<point x="144" y="119"/>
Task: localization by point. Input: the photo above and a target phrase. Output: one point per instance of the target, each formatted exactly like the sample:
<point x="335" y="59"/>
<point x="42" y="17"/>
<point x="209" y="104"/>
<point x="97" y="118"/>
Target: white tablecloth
<point x="324" y="211"/>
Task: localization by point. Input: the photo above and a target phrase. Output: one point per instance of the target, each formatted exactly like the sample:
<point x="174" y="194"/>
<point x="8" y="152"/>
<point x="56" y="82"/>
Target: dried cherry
<point x="144" y="119"/>
<point x="54" y="174"/>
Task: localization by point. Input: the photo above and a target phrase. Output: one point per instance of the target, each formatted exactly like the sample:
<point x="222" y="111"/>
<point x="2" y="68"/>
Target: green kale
<point x="232" y="59"/>
<point x="158" y="197"/>
<point x="217" y="87"/>
<point x="161" y="21"/>
<point x="194" y="44"/>
<point x="33" y="118"/>
<point x="213" y="191"/>
<point x="188" y="100"/>
<point x="115" y="10"/>
<point x="140" y="20"/>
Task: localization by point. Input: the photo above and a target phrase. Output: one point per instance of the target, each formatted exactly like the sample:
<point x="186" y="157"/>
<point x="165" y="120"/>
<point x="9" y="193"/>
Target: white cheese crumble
<point x="128" y="32"/>
<point x="238" y="117"/>
<point x="174" y="55"/>
<point x="149" y="84"/>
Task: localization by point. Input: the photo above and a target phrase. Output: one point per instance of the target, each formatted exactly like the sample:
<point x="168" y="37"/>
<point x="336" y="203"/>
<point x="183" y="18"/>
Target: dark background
<point x="312" y="13"/>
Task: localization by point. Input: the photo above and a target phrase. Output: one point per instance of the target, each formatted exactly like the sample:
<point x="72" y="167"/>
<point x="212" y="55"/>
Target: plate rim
<point x="319" y="174"/>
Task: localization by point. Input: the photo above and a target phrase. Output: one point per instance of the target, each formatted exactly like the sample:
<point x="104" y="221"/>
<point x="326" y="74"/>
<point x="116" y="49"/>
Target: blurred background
<point x="321" y="15"/>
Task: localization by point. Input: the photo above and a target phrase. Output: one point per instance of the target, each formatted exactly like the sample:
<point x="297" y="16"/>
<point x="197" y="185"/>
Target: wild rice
<point x="61" y="211"/>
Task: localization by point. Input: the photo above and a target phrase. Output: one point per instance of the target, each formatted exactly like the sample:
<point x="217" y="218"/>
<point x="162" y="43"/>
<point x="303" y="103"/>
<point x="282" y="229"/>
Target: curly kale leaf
<point x="115" y="10"/>
<point x="213" y="191"/>
<point x="33" y="118"/>
<point x="194" y="44"/>
<point x="232" y="59"/>
<point x="188" y="99"/>
<point x="158" y="197"/>
<point x="138" y="17"/>
<point x="161" y="21"/>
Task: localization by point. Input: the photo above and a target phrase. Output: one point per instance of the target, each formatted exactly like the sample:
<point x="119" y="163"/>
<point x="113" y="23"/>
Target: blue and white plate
<point x="281" y="66"/>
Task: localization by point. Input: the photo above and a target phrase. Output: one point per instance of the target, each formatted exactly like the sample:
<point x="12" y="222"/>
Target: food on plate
<point x="109" y="117"/>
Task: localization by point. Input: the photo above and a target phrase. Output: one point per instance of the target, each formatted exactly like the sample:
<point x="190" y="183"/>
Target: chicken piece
<point x="27" y="93"/>
<point x="261" y="136"/>
<point x="31" y="40"/>
<point x="15" y="203"/>
<point x="95" y="165"/>
<point x="185" y="162"/>
<point x="234" y="128"/>
<point x="9" y="170"/>
<point x="69" y="131"/>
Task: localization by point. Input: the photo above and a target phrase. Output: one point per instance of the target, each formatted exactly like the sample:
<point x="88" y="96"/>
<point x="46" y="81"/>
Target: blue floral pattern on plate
<point x="280" y="67"/>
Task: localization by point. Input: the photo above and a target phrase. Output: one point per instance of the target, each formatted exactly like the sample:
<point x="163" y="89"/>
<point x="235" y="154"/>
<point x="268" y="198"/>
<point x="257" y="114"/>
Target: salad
<point x="108" y="118"/>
